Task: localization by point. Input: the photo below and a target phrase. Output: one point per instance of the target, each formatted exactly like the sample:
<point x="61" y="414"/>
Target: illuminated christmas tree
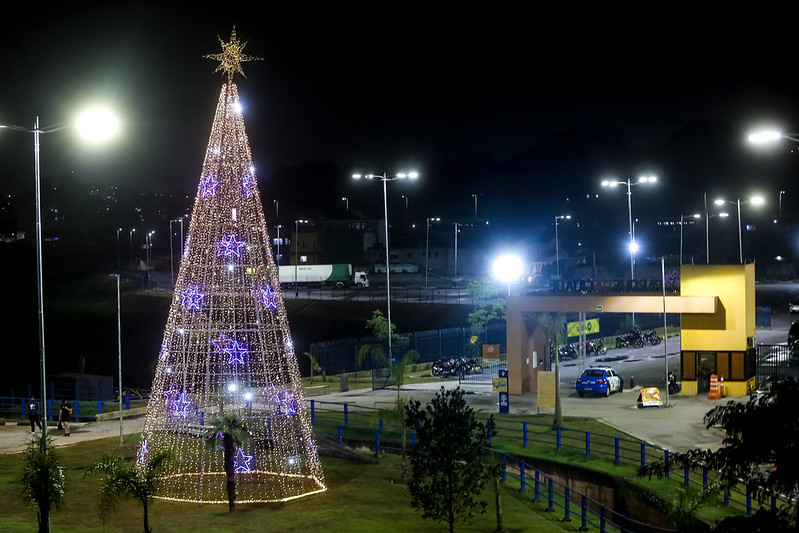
<point x="227" y="348"/>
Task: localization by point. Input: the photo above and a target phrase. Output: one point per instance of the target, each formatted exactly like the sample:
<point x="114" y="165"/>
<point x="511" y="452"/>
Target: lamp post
<point x="385" y="179"/>
<point x="130" y="235"/>
<point x="118" y="230"/>
<point x="557" y="248"/>
<point x="427" y="251"/>
<point x="612" y="183"/>
<point x="475" y="206"/>
<point x="119" y="345"/>
<point x="682" y="221"/>
<point x="347" y="203"/>
<point x="94" y="125"/>
<point x="756" y="200"/>
<point x="171" y="252"/>
<point x="278" y="243"/>
<point x="507" y="268"/>
<point x="296" y="255"/>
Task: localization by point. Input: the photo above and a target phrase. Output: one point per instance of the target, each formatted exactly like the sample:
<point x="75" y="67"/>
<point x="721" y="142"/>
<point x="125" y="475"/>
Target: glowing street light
<point x="427" y="250"/>
<point x="91" y="127"/>
<point x="557" y="248"/>
<point x="629" y="184"/>
<point x="682" y="222"/>
<point x="507" y="268"/>
<point x="385" y="179"/>
<point x="755" y="200"/>
<point x="768" y="136"/>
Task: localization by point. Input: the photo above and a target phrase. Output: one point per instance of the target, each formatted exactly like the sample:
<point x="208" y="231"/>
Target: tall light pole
<point x="557" y="248"/>
<point x="278" y="243"/>
<point x="297" y="256"/>
<point x="130" y="235"/>
<point x="612" y="183"/>
<point x="119" y="345"/>
<point x="118" y="266"/>
<point x="427" y="251"/>
<point x="171" y="252"/>
<point x="385" y="179"/>
<point x="475" y="206"/>
<point x="94" y="125"/>
<point x="347" y="203"/>
<point x="756" y="200"/>
<point x="682" y="221"/>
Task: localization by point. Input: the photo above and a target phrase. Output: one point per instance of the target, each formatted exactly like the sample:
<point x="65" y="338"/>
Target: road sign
<point x="499" y="384"/>
<point x="490" y="351"/>
<point x="591" y="326"/>
<point x="504" y="397"/>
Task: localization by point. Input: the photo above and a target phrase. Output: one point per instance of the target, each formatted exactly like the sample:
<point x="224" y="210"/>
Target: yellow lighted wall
<point x="734" y="320"/>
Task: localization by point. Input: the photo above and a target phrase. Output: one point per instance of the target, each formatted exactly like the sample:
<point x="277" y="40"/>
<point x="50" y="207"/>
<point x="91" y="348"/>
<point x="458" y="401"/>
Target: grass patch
<point x="361" y="497"/>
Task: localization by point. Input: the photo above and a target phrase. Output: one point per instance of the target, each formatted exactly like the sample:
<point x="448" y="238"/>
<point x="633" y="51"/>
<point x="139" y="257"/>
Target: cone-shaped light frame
<point x="227" y="346"/>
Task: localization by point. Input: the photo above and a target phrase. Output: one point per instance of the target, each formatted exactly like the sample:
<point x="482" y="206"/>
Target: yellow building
<point x="717" y="308"/>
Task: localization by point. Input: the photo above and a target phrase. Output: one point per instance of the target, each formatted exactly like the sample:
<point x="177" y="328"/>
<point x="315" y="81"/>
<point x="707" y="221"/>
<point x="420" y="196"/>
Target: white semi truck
<point x="339" y="275"/>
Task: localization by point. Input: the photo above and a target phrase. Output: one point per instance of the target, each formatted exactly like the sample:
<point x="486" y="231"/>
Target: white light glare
<point x="97" y="125"/>
<point x="633" y="247"/>
<point x="507" y="268"/>
<point x="764" y="137"/>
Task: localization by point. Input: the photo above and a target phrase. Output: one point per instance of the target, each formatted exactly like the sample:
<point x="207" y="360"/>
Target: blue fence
<point x="15" y="407"/>
<point x="372" y="431"/>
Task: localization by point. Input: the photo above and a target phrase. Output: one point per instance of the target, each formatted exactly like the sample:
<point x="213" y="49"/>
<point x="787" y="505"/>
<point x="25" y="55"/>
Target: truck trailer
<point x="339" y="275"/>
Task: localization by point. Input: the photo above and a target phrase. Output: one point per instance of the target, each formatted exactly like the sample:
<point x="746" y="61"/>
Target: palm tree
<point x="314" y="364"/>
<point x="125" y="479"/>
<point x="232" y="432"/>
<point x="43" y="479"/>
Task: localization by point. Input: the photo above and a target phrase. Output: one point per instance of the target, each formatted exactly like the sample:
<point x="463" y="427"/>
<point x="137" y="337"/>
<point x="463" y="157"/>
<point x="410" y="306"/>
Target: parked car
<point x="599" y="380"/>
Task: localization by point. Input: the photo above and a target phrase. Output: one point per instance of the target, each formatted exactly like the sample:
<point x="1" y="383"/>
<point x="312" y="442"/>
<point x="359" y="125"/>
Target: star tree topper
<point x="231" y="58"/>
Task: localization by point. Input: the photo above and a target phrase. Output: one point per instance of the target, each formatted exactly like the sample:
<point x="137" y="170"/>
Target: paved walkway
<point x="677" y="427"/>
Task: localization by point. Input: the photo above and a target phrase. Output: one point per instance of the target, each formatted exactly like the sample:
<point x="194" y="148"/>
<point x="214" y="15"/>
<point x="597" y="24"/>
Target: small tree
<point x="229" y="431"/>
<point x="42" y="479"/>
<point x="314" y="364"/>
<point x="449" y="467"/>
<point x="766" y="465"/>
<point x="124" y="479"/>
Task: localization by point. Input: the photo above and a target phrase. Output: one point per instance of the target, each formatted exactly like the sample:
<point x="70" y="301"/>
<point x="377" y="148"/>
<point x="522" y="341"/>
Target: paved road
<point x="677" y="427"/>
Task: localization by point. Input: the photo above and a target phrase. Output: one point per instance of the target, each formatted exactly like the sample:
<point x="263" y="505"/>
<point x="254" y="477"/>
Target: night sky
<point x="530" y="110"/>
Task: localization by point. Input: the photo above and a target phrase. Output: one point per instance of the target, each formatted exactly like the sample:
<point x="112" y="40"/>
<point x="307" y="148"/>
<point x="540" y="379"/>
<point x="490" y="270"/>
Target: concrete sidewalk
<point x="677" y="427"/>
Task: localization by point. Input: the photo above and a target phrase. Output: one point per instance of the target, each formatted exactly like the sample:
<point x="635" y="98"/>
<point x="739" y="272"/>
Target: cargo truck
<point x="339" y="275"/>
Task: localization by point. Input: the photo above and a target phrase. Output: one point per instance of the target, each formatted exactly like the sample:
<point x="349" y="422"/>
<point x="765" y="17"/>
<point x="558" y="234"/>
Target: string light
<point x="227" y="345"/>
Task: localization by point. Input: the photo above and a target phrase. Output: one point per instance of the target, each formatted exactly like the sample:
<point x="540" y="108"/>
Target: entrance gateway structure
<point x="717" y="308"/>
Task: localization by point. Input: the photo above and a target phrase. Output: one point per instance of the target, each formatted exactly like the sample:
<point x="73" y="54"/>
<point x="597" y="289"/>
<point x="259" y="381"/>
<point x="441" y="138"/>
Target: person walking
<point x="64" y="415"/>
<point x="34" y="415"/>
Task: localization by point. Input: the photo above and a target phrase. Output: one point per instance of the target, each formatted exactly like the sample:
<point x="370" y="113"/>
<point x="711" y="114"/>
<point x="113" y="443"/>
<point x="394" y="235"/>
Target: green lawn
<point x="361" y="497"/>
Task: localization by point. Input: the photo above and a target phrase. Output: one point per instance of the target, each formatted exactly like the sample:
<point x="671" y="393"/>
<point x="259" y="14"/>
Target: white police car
<point x="600" y="380"/>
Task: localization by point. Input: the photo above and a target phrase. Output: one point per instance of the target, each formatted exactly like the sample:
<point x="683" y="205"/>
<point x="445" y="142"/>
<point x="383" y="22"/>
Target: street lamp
<point x="119" y="343"/>
<point x="118" y="230"/>
<point x="130" y="235"/>
<point x="767" y="136"/>
<point x="612" y="183"/>
<point x="682" y="221"/>
<point x="347" y="201"/>
<point x="507" y="268"/>
<point x="557" y="248"/>
<point x="385" y="179"/>
<point x="427" y="251"/>
<point x="475" y="206"/>
<point x="93" y="125"/>
<point x="296" y="255"/>
<point x="756" y="200"/>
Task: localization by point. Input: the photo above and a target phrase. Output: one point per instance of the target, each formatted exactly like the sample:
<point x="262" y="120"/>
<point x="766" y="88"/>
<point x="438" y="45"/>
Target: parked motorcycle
<point x="632" y="338"/>
<point x="567" y="352"/>
<point x="596" y="347"/>
<point x="456" y="366"/>
<point x="651" y="337"/>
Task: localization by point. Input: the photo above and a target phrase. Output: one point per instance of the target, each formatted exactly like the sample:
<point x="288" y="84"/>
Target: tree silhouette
<point x="229" y="432"/>
<point x="124" y="479"/>
<point x="43" y="479"/>
<point x="449" y="466"/>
